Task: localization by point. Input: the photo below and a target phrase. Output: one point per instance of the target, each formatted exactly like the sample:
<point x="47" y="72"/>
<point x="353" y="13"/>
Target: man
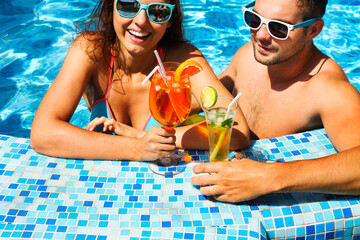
<point x="288" y="86"/>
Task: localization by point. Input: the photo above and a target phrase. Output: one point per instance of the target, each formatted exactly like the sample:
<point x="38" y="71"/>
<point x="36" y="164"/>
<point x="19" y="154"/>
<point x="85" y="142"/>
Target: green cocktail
<point x="219" y="124"/>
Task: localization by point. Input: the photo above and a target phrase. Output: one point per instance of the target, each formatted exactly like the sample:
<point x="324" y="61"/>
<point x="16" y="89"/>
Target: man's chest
<point x="272" y="112"/>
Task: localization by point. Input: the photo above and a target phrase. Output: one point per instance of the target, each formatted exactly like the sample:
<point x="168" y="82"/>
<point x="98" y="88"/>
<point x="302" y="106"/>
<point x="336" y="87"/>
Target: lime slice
<point x="208" y="97"/>
<point x="195" y="118"/>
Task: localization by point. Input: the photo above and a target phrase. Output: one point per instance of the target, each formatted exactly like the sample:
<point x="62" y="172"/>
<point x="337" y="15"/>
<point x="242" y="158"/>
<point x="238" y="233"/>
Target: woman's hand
<point x="157" y="142"/>
<point x="114" y="126"/>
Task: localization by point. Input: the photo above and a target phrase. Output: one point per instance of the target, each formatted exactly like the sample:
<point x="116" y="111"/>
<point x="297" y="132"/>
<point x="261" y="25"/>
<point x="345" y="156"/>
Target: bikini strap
<point x="160" y="51"/>
<point x="110" y="74"/>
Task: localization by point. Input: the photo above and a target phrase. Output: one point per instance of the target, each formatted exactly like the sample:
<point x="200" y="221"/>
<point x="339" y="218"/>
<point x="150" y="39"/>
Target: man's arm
<point x="245" y="179"/>
<point x="338" y="103"/>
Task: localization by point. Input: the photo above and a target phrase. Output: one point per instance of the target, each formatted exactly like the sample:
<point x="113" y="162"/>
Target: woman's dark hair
<point x="98" y="27"/>
<point x="312" y="8"/>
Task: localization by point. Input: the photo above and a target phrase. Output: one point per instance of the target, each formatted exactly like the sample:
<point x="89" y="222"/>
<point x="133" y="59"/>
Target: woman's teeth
<point x="138" y="34"/>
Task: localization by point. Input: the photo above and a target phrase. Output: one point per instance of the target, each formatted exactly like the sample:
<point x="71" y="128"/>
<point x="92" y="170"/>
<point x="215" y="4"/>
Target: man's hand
<point x="235" y="181"/>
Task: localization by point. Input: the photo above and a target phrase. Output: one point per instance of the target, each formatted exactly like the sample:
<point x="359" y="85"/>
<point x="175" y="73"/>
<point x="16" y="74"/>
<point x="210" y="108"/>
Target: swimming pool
<point x="36" y="35"/>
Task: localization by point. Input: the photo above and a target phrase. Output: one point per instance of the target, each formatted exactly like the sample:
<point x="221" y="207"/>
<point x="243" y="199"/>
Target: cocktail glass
<point x="170" y="103"/>
<point x="219" y="124"/>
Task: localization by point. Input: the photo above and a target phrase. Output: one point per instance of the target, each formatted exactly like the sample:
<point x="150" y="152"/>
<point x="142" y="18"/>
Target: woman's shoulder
<point x="181" y="51"/>
<point x="91" y="44"/>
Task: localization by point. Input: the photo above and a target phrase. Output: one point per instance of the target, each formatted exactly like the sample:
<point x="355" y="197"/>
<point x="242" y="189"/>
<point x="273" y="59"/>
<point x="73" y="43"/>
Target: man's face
<point x="268" y="50"/>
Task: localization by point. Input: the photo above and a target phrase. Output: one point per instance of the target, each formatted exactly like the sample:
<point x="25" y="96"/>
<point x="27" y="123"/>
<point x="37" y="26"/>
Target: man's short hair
<point x="312" y="8"/>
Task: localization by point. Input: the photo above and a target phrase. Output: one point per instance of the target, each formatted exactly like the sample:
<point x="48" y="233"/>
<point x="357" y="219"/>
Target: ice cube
<point x="221" y="110"/>
<point x="211" y="115"/>
<point x="219" y="120"/>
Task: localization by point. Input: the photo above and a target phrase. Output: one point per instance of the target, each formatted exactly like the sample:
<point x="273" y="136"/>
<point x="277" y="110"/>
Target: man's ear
<point x="315" y="29"/>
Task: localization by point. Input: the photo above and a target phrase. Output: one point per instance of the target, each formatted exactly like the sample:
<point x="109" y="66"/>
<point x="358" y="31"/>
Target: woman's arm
<point x="53" y="135"/>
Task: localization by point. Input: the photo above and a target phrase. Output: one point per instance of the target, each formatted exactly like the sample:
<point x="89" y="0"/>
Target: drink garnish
<point x="189" y="67"/>
<point x="227" y="123"/>
<point x="208" y="96"/>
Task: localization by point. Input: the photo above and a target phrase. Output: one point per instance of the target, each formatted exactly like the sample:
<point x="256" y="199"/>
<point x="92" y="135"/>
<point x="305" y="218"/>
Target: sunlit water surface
<point x="35" y="36"/>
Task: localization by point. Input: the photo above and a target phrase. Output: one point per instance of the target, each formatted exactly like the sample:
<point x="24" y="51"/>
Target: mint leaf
<point x="227" y="123"/>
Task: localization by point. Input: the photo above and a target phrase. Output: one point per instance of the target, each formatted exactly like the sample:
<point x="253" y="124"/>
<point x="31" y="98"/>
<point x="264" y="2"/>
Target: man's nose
<point x="263" y="33"/>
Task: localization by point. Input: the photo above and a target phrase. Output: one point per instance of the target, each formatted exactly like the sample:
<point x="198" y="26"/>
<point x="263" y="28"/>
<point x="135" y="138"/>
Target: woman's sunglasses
<point x="156" y="12"/>
<point x="277" y="29"/>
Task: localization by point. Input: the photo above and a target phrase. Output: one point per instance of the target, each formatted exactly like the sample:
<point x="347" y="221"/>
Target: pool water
<point x="35" y="36"/>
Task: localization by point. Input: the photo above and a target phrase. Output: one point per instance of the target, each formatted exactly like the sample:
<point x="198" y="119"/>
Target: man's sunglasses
<point x="277" y="29"/>
<point x="156" y="12"/>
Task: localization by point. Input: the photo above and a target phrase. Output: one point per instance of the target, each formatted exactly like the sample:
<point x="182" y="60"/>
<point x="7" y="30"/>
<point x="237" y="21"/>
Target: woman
<point x="106" y="65"/>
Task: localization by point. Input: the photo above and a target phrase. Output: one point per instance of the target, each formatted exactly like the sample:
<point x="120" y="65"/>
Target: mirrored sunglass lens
<point x="159" y="13"/>
<point x="252" y="20"/>
<point x="277" y="29"/>
<point x="127" y="8"/>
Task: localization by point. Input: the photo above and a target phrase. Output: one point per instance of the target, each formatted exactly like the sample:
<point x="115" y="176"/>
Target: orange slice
<point x="189" y="67"/>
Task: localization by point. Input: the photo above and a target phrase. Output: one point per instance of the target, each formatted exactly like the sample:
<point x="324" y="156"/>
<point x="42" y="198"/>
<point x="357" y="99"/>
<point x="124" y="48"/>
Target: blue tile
<point x="52" y="165"/>
<point x="178" y="192"/>
<point x="133" y="198"/>
<point x="44" y="194"/>
<point x="275" y="150"/>
<point x="347" y="212"/>
<point x="61" y="208"/>
<point x="145" y="218"/>
<point x="50" y="221"/>
<point x="338" y="213"/>
<point x="273" y="140"/>
<point x="166" y="224"/>
<point x="55" y="177"/>
<point x="42" y="188"/>
<point x="22" y="213"/>
<point x="40" y="182"/>
<point x="188" y="236"/>
<point x="330" y="235"/>
<point x="61" y="229"/>
<point x="310" y="230"/>
<point x="12" y="212"/>
<point x="108" y="204"/>
<point x="289" y="221"/>
<point x="279" y="222"/>
<point x="26" y="235"/>
<point x="98" y="185"/>
<point x="214" y="210"/>
<point x="153" y="198"/>
<point x="9" y="219"/>
<point x="30" y="227"/>
<point x="83" y="178"/>
<point x="295" y="153"/>
<point x="13" y="186"/>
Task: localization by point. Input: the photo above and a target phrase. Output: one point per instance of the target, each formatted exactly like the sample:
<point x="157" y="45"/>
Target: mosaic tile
<point x="54" y="198"/>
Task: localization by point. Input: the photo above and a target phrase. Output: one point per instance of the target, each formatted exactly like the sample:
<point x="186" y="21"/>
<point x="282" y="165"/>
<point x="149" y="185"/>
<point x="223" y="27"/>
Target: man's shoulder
<point x="328" y="72"/>
<point x="244" y="51"/>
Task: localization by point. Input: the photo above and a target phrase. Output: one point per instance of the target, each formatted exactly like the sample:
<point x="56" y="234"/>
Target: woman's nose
<point x="141" y="18"/>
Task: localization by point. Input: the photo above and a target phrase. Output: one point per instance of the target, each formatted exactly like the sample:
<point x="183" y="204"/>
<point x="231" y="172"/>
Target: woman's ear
<point x="315" y="29"/>
<point x="169" y="24"/>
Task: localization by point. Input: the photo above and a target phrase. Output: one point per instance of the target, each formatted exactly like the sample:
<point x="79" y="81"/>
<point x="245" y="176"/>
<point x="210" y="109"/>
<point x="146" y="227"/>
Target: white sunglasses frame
<point x="263" y="20"/>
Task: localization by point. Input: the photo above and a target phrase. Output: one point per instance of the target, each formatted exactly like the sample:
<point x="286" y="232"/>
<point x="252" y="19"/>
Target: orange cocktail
<point x="170" y="101"/>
